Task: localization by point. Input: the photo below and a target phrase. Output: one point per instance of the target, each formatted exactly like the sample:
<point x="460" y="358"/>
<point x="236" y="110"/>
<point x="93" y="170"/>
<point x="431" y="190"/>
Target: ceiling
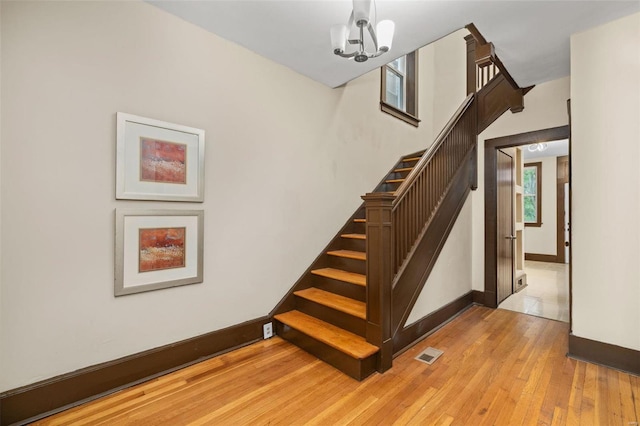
<point x="552" y="149"/>
<point x="531" y="37"/>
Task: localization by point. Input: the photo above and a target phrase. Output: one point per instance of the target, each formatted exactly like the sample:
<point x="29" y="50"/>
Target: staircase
<point x="350" y="308"/>
<point x="326" y="313"/>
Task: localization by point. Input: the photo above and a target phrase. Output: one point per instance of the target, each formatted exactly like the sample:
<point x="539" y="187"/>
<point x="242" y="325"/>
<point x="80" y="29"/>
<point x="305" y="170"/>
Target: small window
<point x="531" y="189"/>
<point x="399" y="88"/>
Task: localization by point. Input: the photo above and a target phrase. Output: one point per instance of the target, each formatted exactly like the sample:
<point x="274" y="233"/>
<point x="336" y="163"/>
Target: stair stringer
<point x="412" y="277"/>
<point x="307" y="279"/>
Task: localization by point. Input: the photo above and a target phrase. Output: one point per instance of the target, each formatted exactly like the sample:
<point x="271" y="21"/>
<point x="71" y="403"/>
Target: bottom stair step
<point x="346" y="351"/>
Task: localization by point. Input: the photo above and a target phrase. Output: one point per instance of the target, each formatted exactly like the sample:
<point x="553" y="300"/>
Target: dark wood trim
<point x="495" y="98"/>
<point x="490" y="197"/>
<point x="409" y="116"/>
<point x="471" y="64"/>
<point x="527" y="138"/>
<point x="570" y="222"/>
<point x="541" y="257"/>
<point x="53" y="395"/>
<point x="562" y="177"/>
<point x="495" y="59"/>
<point x="397" y="113"/>
<point x="410" y="335"/>
<point x="601" y="353"/>
<point x="379" y="208"/>
<point x="538" y="166"/>
<point x="413" y="74"/>
<point x="507" y="76"/>
<point x="476" y="33"/>
<point x="478" y="297"/>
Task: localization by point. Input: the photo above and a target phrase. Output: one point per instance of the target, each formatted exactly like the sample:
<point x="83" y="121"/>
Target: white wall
<point x="450" y="84"/>
<point x="542" y="240"/>
<point x="451" y="275"/>
<point x="605" y="102"/>
<point x="286" y="162"/>
<point x="545" y="106"/>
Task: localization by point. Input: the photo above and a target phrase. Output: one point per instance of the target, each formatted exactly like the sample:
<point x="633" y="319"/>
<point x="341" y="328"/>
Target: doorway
<point x="505" y="228"/>
<point x="493" y="237"/>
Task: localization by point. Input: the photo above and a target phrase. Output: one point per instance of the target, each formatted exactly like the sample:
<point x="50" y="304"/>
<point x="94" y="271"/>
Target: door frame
<point x="560" y="210"/>
<point x="491" y="199"/>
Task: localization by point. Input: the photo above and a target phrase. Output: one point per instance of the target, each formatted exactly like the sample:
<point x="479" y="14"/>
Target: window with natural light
<point x="399" y="88"/>
<point x="531" y="193"/>
<point x="396" y="81"/>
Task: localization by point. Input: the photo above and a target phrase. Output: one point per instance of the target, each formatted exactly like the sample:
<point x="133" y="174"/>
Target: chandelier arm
<point x="345" y="55"/>
<point x="373" y="37"/>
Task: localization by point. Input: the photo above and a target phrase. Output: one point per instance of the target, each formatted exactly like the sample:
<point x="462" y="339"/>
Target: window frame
<point x="538" y="166"/>
<point x="410" y="112"/>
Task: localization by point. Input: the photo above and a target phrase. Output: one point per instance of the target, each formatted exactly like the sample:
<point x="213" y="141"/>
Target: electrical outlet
<point x="267" y="330"/>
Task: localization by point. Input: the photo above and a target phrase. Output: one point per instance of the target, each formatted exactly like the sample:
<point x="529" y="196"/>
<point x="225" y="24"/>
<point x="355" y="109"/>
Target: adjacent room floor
<point x="546" y="294"/>
<point x="498" y="368"/>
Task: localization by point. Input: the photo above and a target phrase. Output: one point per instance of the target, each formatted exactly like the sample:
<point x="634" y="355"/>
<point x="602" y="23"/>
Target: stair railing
<point x="419" y="195"/>
<point x="396" y="222"/>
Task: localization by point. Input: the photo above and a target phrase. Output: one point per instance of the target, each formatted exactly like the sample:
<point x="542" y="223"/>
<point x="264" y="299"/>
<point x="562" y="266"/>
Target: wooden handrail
<point x="426" y="157"/>
<point x="419" y="196"/>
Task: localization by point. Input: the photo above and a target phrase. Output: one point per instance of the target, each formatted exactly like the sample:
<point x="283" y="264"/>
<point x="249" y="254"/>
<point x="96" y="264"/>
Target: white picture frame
<point x="160" y="161"/>
<point x="157" y="249"/>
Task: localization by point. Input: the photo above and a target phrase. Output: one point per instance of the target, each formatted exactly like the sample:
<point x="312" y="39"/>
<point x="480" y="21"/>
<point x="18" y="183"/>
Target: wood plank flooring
<point x="498" y="368"/>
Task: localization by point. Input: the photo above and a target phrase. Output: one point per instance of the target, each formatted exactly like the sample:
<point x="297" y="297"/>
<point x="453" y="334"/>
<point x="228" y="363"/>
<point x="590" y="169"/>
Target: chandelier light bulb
<point x="339" y="37"/>
<point x="385" y="30"/>
<point x="361" y="12"/>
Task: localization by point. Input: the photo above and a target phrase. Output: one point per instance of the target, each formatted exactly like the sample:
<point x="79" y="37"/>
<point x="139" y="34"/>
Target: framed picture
<point x="157" y="249"/>
<point x="158" y="161"/>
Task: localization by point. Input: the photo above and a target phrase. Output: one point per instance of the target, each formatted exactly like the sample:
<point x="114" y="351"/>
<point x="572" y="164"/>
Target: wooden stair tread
<point x="411" y="159"/>
<point x="350" y="254"/>
<point x="403" y="169"/>
<point x="342" y="340"/>
<point x="360" y="220"/>
<point x="335" y="301"/>
<point x="394" y="181"/>
<point x="340" y="275"/>
<point x="355" y="236"/>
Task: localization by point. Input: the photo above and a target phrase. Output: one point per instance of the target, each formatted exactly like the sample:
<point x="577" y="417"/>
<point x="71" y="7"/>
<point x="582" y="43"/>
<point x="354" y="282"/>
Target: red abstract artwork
<point x="162" y="161"/>
<point x="161" y="248"/>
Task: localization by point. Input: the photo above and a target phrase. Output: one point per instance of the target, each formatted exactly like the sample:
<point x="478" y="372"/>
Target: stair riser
<point x="337" y="318"/>
<point x="404" y="164"/>
<point x="358" y="369"/>
<point x="353" y="244"/>
<point x="342" y="288"/>
<point x="359" y="228"/>
<point x="346" y="264"/>
<point x="398" y="175"/>
<point x="388" y="187"/>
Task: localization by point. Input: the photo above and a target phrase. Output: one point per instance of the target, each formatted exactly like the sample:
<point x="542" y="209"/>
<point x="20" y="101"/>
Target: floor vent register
<point x="429" y="355"/>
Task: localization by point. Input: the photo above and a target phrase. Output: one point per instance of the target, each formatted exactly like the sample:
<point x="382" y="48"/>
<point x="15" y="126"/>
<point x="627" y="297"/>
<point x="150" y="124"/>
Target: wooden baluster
<point x="379" y="244"/>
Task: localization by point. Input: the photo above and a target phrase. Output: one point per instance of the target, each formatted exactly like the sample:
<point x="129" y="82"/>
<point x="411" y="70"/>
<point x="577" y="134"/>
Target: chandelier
<point x="361" y="17"/>
<point x="539" y="146"/>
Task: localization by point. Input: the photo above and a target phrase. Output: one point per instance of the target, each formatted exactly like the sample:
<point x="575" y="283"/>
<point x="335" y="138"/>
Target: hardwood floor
<point x="498" y="368"/>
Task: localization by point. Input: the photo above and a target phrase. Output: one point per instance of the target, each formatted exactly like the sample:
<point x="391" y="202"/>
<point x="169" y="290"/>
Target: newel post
<point x="379" y="208"/>
<point x="471" y="64"/>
